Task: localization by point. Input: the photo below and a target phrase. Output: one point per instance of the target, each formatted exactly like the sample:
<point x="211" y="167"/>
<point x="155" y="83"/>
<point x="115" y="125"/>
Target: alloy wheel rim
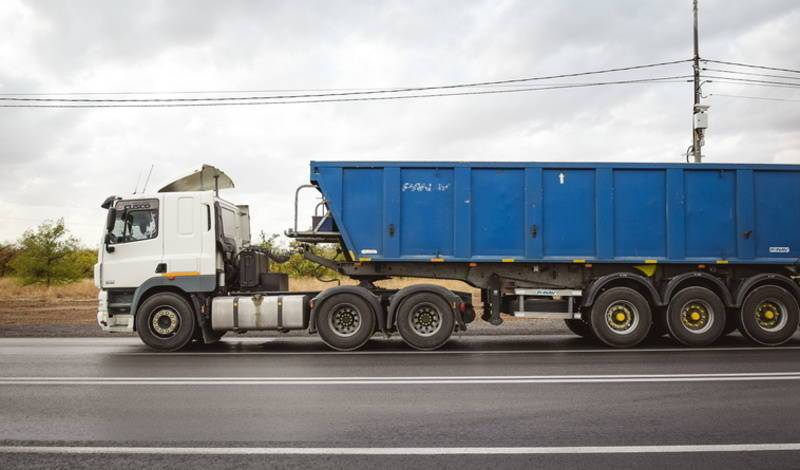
<point x="697" y="316"/>
<point x="164" y="322"/>
<point x="345" y="320"/>
<point x="622" y="317"/>
<point x="771" y="315"/>
<point x="425" y="319"/>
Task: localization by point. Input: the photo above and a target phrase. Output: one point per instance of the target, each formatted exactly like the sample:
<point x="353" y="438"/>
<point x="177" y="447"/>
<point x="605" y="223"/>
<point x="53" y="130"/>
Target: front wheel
<point x="165" y="322"/>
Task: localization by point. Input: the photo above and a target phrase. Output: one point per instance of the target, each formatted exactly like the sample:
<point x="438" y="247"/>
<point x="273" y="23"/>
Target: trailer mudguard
<point x="772" y="278"/>
<point x="590" y="293"/>
<point x="676" y="281"/>
<point x="372" y="299"/>
<point x="397" y="299"/>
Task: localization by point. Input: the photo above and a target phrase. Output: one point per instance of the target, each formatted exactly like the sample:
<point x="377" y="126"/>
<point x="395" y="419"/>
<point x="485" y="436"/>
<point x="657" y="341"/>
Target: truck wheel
<point x="425" y="321"/>
<point x="769" y="315"/>
<point x="696" y="316"/>
<point x="345" y="322"/>
<point x="621" y="317"/>
<point x="165" y="322"/>
<point x="579" y="327"/>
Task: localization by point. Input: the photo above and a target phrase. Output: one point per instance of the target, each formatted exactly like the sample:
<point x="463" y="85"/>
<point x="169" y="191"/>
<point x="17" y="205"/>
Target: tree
<point x="84" y="260"/>
<point x="7" y="253"/>
<point x="297" y="266"/>
<point x="47" y="255"/>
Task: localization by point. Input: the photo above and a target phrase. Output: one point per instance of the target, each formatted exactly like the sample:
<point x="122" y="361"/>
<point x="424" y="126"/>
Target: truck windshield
<point x="135" y="225"/>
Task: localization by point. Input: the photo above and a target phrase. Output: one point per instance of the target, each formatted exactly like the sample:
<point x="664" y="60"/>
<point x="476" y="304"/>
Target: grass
<point x="11" y="289"/>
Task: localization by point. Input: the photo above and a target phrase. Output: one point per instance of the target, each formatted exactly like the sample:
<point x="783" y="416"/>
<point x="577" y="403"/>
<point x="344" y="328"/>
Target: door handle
<point x="161" y="268"/>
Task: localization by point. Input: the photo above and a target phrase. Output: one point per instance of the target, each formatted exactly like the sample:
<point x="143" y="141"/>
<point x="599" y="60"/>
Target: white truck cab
<point x="183" y="239"/>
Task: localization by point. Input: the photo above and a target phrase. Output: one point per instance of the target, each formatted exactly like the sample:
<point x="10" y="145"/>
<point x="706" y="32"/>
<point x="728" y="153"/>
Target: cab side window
<point x="135" y="225"/>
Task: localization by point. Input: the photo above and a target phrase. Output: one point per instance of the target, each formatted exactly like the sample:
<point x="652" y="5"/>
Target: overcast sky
<point x="64" y="162"/>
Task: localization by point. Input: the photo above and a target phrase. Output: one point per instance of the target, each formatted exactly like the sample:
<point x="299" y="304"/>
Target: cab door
<point x="186" y="220"/>
<point x="135" y="247"/>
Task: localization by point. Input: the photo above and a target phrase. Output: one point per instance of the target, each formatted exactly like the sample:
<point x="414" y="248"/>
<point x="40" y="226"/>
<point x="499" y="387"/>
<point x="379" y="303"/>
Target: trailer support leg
<point x="491" y="301"/>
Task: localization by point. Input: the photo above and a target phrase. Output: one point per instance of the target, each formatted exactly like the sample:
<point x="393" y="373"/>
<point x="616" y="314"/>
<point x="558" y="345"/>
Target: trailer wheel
<point x="425" y="321"/>
<point x="579" y="327"/>
<point x="769" y="315"/>
<point x="165" y="322"/>
<point x="621" y="317"/>
<point x="696" y="316"/>
<point x="345" y="322"/>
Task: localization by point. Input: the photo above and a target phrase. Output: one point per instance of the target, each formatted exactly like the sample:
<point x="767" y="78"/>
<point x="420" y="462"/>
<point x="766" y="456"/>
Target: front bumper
<point x="119" y="323"/>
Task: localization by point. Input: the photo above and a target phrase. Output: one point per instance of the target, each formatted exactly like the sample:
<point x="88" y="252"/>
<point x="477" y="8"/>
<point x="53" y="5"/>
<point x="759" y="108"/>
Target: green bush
<point x="297" y="266"/>
<point x="7" y="252"/>
<point x="48" y="255"/>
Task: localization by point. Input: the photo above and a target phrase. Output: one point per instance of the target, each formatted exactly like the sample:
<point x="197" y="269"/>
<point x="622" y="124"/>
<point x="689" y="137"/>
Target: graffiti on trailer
<point x="425" y="187"/>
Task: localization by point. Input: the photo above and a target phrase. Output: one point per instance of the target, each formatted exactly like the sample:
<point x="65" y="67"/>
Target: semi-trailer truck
<point x="620" y="252"/>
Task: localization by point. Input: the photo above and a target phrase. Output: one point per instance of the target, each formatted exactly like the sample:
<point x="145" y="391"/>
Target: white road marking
<point x="49" y="346"/>
<point x="643" y="449"/>
<point x="460" y="351"/>
<point x="407" y="380"/>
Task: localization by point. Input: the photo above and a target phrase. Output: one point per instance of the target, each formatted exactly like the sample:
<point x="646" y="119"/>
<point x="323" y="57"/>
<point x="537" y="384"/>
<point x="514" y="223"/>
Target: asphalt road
<point x="482" y="402"/>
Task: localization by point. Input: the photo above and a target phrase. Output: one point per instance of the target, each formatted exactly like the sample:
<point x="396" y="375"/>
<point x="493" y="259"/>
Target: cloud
<point x="64" y="162"/>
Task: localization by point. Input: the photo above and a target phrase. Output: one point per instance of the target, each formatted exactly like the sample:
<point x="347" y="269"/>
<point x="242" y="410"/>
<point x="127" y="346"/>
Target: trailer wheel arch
<point x="622" y="279"/>
<point x="400" y="296"/>
<point x="372" y="300"/>
<point x="746" y="286"/>
<point x="699" y="279"/>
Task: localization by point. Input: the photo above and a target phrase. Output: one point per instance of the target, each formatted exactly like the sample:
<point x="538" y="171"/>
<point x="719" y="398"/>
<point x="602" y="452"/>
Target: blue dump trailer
<point x="620" y="252"/>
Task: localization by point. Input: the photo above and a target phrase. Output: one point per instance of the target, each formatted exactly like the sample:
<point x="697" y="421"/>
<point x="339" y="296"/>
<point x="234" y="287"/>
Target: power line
<point x="754" y="66"/>
<point x="726" y="82"/>
<point x="788" y="77"/>
<point x="338" y="94"/>
<point x="760" y="82"/>
<point x="669" y="79"/>
<point x="753" y="97"/>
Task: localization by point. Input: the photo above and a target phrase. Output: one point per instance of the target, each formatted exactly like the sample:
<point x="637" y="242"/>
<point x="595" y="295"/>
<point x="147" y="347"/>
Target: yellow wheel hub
<point x="696" y="316"/>
<point x="769" y="315"/>
<point x="620" y="317"/>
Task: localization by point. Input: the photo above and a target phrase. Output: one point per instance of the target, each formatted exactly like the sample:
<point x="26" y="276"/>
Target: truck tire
<point x="621" y="317"/>
<point x="696" y="317"/>
<point x="165" y="322"/>
<point x="425" y="321"/>
<point x="345" y="321"/>
<point x="769" y="315"/>
<point x="579" y="327"/>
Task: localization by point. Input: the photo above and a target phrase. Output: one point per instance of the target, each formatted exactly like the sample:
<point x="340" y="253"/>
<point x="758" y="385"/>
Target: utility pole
<point x="699" y="118"/>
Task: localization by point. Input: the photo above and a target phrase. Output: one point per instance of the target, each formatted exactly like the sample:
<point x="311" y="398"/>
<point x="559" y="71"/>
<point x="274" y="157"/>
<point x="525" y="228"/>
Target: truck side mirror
<point x="111" y="219"/>
<point x="109" y="248"/>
